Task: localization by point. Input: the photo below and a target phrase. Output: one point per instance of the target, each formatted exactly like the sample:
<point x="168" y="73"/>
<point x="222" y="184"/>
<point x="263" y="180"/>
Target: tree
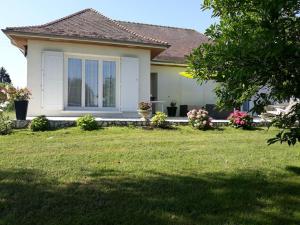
<point x="4" y="76"/>
<point x="254" y="53"/>
<point x="254" y="47"/>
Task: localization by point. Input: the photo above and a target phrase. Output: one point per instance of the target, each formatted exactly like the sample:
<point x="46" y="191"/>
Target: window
<point x="74" y="82"/>
<point x="92" y="83"/>
<point x="109" y="84"/>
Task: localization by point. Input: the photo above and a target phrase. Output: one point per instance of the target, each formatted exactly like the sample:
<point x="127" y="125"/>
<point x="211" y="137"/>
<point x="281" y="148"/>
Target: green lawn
<point x="11" y="115"/>
<point x="144" y="177"/>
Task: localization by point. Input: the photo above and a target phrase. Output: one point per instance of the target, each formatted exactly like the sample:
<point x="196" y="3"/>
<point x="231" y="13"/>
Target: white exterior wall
<point x="172" y="86"/>
<point x="34" y="69"/>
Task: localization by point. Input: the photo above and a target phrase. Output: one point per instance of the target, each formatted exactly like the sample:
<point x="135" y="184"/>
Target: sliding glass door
<point x="92" y="83"/>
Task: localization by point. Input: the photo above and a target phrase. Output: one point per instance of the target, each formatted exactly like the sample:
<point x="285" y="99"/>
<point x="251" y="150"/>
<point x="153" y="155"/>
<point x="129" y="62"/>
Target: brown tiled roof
<point x="182" y="41"/>
<point x="88" y="24"/>
<point x="91" y="25"/>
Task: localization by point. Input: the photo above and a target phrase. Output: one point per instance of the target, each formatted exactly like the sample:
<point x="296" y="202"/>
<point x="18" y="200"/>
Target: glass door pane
<point x="109" y="84"/>
<point x="91" y="83"/>
<point x="74" y="82"/>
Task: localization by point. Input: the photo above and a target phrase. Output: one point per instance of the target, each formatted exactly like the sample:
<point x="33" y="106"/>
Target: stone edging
<point x="20" y="124"/>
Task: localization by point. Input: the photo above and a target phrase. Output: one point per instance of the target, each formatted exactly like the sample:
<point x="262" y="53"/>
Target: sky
<point x="178" y="13"/>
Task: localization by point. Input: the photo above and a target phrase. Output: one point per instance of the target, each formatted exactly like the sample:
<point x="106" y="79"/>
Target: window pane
<point x="74" y="82"/>
<point x="91" y="83"/>
<point x="109" y="84"/>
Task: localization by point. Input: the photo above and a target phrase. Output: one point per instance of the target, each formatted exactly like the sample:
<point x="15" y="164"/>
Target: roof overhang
<point x="164" y="63"/>
<point x="20" y="40"/>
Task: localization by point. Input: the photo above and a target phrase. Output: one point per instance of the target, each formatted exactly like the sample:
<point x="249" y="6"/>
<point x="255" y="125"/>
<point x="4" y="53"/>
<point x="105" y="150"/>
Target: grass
<point x="10" y="114"/>
<point x="133" y="176"/>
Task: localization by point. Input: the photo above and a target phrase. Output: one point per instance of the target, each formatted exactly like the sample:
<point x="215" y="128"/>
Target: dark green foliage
<point x="4" y="76"/>
<point x="41" y="123"/>
<point x="87" y="122"/>
<point x="256" y="45"/>
<point x="5" y="124"/>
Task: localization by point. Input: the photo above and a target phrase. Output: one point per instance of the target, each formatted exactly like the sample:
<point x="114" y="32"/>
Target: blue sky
<point x="179" y="13"/>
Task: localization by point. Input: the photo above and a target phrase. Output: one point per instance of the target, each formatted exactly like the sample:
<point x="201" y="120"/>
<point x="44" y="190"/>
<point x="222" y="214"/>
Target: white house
<point x="88" y="63"/>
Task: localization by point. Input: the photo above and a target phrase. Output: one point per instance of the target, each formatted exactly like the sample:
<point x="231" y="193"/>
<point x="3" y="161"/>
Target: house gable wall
<point x="34" y="68"/>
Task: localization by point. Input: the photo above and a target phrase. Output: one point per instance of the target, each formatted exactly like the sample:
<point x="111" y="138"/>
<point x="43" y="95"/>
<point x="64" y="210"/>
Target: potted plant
<point x="172" y="109"/>
<point x="144" y="110"/>
<point x="20" y="96"/>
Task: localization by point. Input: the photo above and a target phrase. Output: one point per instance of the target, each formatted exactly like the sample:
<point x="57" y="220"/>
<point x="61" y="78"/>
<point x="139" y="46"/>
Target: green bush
<point x="160" y="120"/>
<point x="5" y="124"/>
<point x="41" y="123"/>
<point x="87" y="122"/>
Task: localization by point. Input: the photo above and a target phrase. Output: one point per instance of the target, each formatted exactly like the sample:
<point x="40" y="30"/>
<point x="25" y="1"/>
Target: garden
<point x="165" y="174"/>
<point x="128" y="175"/>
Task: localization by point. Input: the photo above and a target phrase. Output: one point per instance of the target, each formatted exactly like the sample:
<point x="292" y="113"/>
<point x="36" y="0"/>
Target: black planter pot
<point x="172" y="111"/>
<point x="21" y="109"/>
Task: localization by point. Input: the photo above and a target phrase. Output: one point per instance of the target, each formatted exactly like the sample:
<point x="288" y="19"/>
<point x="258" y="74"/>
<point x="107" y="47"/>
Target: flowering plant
<point x="240" y="119"/>
<point x="200" y="119"/>
<point x="3" y="97"/>
<point x="19" y="94"/>
<point x="144" y="106"/>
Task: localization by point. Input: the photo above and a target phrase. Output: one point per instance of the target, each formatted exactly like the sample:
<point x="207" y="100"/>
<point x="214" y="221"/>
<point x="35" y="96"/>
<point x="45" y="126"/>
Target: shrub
<point x="289" y="124"/>
<point x="6" y="102"/>
<point x="160" y="120"/>
<point x="41" y="123"/>
<point x="240" y="119"/>
<point x="145" y="106"/>
<point x="5" y="124"/>
<point x="87" y="122"/>
<point x="200" y="119"/>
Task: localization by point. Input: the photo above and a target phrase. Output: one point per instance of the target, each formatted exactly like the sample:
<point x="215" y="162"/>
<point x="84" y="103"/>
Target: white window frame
<point x="100" y="60"/>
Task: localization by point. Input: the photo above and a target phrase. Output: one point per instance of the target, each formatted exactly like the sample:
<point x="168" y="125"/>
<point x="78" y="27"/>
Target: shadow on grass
<point x="110" y="197"/>
<point x="293" y="169"/>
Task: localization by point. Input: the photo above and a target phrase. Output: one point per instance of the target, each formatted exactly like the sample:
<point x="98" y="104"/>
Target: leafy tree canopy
<point x="254" y="47"/>
<point x="4" y="76"/>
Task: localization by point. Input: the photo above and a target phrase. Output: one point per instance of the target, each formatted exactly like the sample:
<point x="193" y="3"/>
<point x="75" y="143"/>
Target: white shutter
<point x="52" y="80"/>
<point x="129" y="83"/>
